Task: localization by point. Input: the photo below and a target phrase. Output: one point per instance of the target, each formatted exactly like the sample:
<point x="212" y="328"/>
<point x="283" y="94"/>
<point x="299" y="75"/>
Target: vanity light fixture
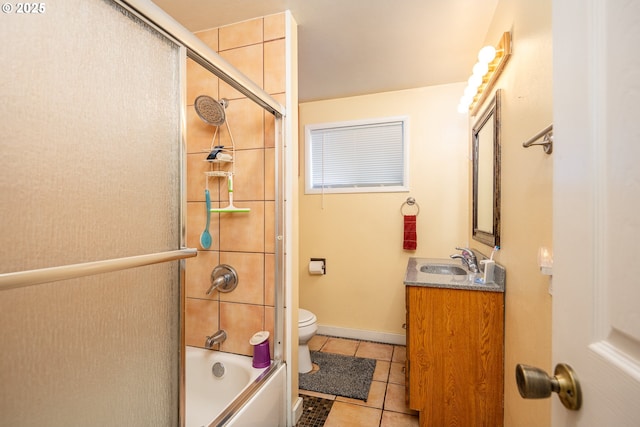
<point x="491" y="61"/>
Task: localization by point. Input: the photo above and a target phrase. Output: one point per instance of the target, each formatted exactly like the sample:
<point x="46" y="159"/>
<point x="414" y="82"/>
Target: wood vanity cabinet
<point x="455" y="356"/>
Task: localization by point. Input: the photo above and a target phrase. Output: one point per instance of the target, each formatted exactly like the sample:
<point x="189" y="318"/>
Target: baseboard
<point x="360" y="334"/>
<point x="297" y="410"/>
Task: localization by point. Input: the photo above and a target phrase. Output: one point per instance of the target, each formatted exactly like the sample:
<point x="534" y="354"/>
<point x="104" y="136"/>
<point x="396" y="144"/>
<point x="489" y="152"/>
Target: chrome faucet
<point x="224" y="278"/>
<point x="468" y="257"/>
<point x="216" y="338"/>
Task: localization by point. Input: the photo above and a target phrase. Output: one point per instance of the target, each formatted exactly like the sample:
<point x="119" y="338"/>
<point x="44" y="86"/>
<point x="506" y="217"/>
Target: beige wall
<point x="360" y="235"/>
<point x="526" y="198"/>
<point x="242" y="240"/>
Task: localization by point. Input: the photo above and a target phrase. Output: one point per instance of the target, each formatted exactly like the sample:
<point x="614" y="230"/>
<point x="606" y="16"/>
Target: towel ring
<point x="410" y="202"/>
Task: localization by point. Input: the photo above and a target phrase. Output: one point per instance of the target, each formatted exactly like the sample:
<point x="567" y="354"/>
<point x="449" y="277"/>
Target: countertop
<point x="415" y="277"/>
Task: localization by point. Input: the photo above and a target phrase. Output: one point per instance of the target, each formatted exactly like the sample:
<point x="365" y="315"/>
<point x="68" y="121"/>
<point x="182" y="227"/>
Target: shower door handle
<point x="535" y="383"/>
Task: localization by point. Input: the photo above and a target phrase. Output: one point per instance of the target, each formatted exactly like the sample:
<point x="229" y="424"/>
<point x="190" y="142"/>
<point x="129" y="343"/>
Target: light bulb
<point x="475" y="81"/>
<point x="463" y="108"/>
<point x="480" y="69"/>
<point x="466" y="100"/>
<point x="487" y="54"/>
<point x="470" y="91"/>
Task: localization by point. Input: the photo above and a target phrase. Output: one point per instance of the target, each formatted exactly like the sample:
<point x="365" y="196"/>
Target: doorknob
<point x="534" y="383"/>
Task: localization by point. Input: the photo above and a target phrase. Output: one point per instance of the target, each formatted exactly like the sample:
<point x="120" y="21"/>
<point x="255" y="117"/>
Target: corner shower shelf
<point x="217" y="173"/>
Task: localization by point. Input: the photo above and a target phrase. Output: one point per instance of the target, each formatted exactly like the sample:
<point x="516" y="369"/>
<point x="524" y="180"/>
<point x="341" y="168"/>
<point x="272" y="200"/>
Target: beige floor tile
<point x="394" y="400"/>
<point x="340" y="346"/>
<point x="395" y="419"/>
<point x="399" y="354"/>
<point x="396" y="373"/>
<point x="376" y="351"/>
<point x="375" y="399"/>
<point x="382" y="371"/>
<point x="347" y="415"/>
<point x="316" y="342"/>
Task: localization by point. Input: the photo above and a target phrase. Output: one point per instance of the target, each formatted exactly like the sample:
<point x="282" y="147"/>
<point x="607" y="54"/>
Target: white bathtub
<point x="243" y="397"/>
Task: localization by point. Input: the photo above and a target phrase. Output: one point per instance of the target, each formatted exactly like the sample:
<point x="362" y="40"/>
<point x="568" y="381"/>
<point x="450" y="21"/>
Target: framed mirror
<point x="486" y="174"/>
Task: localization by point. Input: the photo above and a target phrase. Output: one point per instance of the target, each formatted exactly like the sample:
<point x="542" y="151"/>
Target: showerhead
<point x="210" y="110"/>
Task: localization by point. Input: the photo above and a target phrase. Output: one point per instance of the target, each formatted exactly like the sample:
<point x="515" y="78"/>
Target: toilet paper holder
<point x="314" y="263"/>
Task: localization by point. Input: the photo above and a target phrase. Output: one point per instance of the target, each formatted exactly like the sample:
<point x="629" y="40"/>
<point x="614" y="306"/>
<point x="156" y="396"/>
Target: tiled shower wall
<point x="246" y="241"/>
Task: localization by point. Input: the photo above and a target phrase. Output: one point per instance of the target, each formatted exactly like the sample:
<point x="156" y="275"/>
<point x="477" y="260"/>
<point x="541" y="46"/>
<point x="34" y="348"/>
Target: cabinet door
<point x="456" y="356"/>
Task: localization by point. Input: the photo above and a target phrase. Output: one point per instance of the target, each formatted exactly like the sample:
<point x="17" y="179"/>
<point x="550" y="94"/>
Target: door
<point x="596" y="285"/>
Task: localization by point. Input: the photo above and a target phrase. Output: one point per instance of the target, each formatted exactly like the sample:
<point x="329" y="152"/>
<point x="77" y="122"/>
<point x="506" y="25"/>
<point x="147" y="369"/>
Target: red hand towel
<point x="410" y="236"/>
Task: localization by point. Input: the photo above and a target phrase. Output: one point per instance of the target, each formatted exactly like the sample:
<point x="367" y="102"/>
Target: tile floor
<point x="385" y="406"/>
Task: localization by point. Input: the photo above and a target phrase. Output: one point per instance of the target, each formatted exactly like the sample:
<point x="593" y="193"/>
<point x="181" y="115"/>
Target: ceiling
<point x="349" y="47"/>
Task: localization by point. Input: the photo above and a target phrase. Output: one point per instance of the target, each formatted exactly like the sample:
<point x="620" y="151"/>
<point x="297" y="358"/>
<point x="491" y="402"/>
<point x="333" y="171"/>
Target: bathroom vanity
<point x="455" y="345"/>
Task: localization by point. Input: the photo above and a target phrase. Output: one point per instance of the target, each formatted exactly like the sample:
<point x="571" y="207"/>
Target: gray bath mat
<point x="339" y="375"/>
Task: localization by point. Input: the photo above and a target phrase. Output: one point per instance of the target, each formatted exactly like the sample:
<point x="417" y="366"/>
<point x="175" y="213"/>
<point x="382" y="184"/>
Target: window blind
<point x="362" y="156"/>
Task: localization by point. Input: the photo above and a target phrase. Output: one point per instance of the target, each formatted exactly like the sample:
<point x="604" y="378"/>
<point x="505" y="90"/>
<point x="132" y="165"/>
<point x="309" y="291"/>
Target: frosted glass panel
<point x="90" y="130"/>
<point x="98" y="351"/>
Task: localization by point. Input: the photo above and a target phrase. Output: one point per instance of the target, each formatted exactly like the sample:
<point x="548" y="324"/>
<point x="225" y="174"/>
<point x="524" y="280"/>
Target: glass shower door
<point x="91" y="141"/>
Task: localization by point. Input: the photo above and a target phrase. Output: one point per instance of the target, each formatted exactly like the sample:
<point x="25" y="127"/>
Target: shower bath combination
<point x="213" y="113"/>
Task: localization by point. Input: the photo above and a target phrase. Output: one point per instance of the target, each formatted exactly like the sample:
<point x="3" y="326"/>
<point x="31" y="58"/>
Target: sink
<point x="449" y="269"/>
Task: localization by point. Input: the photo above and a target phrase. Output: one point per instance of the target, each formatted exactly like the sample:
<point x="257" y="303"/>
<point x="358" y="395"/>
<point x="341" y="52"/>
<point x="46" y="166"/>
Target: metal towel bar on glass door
<point x="21" y="279"/>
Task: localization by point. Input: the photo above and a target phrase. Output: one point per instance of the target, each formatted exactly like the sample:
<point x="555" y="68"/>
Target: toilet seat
<point x="305" y="318"/>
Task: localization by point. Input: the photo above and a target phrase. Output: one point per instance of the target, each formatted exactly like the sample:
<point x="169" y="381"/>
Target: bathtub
<point x="241" y="397"/>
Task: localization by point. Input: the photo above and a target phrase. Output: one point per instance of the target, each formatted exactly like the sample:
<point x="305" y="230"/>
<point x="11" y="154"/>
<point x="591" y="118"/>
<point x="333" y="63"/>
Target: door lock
<point x="535" y="383"/>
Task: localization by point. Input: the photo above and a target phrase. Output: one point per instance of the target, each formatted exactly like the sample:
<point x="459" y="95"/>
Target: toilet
<point x="307" y="328"/>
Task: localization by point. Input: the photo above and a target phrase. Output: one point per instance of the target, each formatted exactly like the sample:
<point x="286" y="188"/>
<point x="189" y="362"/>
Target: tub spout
<point x="216" y="338"/>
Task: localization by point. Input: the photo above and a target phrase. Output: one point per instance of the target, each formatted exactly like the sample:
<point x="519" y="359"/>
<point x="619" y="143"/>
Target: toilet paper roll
<point x="316" y="267"/>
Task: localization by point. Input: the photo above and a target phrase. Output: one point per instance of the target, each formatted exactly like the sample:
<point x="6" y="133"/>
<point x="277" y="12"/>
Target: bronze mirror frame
<point x="486" y="174"/>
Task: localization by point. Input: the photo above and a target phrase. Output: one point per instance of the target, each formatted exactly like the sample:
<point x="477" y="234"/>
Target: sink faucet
<point x="216" y="338"/>
<point x="468" y="257"/>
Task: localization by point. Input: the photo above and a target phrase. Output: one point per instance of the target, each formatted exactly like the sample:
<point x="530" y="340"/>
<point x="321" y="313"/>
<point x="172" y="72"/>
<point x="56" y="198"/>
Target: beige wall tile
<point x="274" y="66"/>
<point x="248" y="182"/>
<point x="196" y="179"/>
<point x="274" y="27"/>
<point x="250" y="269"/>
<point x="240" y="236"/>
<point x="199" y="134"/>
<point x="241" y="34"/>
<point x="209" y="37"/>
<point x="198" y="274"/>
<point x="243" y="232"/>
<point x="249" y="61"/>
<point x="240" y="321"/>
<point x="196" y="221"/>
<point x="246" y="121"/>
<point x="201" y="319"/>
<point x="200" y="82"/>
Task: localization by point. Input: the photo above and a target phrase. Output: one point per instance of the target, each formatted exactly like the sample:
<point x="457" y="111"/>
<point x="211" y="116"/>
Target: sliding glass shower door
<point x="90" y="218"/>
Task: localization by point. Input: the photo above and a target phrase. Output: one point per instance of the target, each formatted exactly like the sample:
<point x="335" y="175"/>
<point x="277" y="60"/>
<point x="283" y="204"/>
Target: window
<point x="356" y="157"/>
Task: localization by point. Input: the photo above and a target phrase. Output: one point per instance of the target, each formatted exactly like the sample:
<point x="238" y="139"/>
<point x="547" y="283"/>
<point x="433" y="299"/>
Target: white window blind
<point x="364" y="156"/>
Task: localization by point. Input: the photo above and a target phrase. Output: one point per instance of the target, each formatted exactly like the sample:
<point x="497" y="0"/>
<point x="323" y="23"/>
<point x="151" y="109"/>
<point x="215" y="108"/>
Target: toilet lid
<point x="305" y="317"/>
